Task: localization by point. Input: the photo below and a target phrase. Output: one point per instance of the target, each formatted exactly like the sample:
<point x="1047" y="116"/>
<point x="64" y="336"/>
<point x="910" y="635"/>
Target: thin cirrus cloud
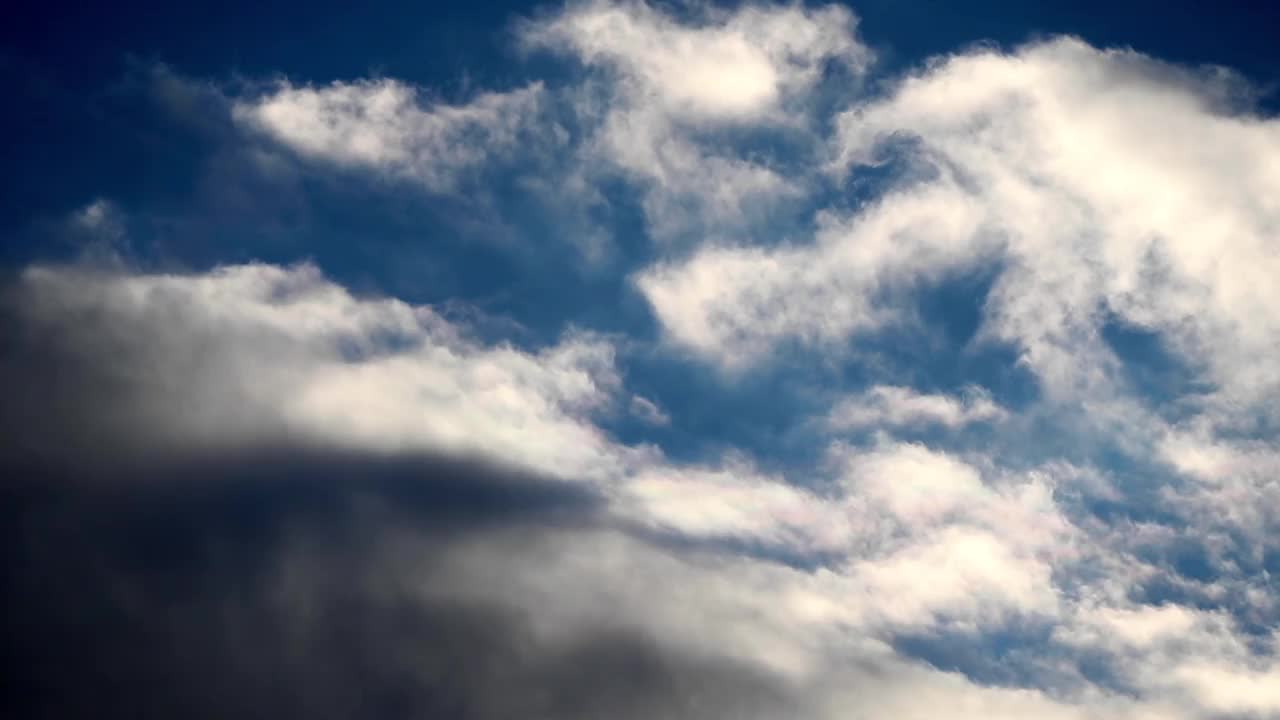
<point x="387" y="511"/>
<point x="894" y="406"/>
<point x="1015" y="142"/>
<point x="384" y="125"/>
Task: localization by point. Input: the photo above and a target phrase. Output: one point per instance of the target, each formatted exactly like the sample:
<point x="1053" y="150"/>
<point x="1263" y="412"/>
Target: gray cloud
<point x="311" y="584"/>
<point x="276" y="576"/>
<point x="174" y="475"/>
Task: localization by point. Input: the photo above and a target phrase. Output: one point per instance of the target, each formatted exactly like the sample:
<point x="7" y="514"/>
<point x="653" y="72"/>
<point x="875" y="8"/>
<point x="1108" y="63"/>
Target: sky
<point x="622" y="359"/>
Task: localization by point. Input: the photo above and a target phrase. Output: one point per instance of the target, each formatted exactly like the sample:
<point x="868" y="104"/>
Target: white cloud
<point x="1234" y="690"/>
<point x="960" y="576"/>
<point x="259" y="353"/>
<point x="1172" y="236"/>
<point x="899" y="522"/>
<point x="99" y="216"/>
<point x="722" y="66"/>
<point x="910" y="538"/>
<point x="732" y="305"/>
<point x="1220" y="461"/>
<point x="1193" y="655"/>
<point x="735" y="502"/>
<point x="648" y="412"/>
<point x="1137" y="628"/>
<point x="668" y="84"/>
<point x="384" y="125"/>
<point x="1237" y="482"/>
<point x="948" y="544"/>
<point x="889" y="405"/>
<point x="801" y="626"/>
<point x="1065" y="171"/>
<point x="1065" y="166"/>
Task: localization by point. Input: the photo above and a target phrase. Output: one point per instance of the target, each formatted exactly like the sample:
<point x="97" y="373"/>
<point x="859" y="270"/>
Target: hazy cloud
<point x="893" y="406"/>
<point x="383" y="125"/>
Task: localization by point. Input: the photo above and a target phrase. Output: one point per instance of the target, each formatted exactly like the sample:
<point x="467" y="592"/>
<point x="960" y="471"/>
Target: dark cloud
<point x="311" y="584"/>
<point x="279" y="579"/>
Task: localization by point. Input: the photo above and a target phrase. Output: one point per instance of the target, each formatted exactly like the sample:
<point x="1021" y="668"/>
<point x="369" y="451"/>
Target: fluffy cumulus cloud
<point x="794" y="473"/>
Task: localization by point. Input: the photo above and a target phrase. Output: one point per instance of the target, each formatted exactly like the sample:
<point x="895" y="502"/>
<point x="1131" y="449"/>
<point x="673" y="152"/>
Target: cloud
<point x="297" y="450"/>
<point x="255" y="353"/>
<point x="1157" y="241"/>
<point x="356" y="585"/>
<point x="1235" y="483"/>
<point x="1062" y="171"/>
<point x="1004" y="154"/>
<point x="668" y="87"/>
<point x="735" y="502"/>
<point x="648" y="412"/>
<point x="893" y="406"/>
<point x="383" y="125"/>
<point x="1193" y="654"/>
<point x="721" y="66"/>
<point x="317" y="583"/>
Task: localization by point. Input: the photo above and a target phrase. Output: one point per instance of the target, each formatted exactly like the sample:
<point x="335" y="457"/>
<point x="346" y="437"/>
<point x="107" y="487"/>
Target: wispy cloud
<point x="384" y="125"/>
<point x="672" y="87"/>
<point x="893" y="406"/>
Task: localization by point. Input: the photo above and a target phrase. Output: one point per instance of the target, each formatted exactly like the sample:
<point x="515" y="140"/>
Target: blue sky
<point x="614" y="358"/>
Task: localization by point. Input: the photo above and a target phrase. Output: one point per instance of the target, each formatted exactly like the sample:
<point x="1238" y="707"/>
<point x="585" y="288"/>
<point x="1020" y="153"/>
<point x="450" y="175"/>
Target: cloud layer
<point x="248" y="487"/>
